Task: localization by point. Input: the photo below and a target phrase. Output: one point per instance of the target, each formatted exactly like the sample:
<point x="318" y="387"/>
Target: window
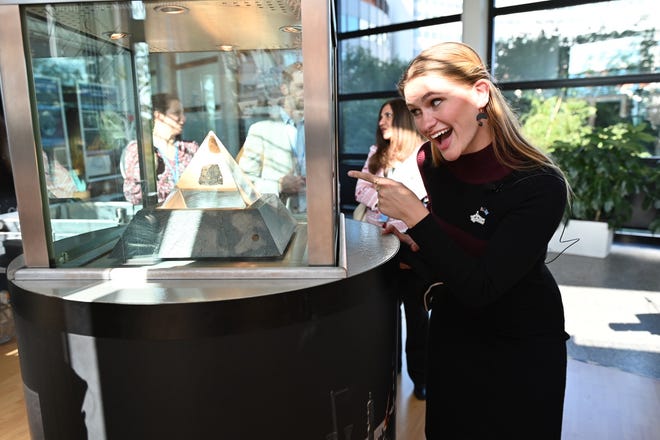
<point x="609" y="63"/>
<point x="367" y="14"/>
<point x="599" y="59"/>
<point x="371" y="61"/>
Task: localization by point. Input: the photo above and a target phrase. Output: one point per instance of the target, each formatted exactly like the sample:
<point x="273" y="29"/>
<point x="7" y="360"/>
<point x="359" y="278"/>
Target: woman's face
<point x="172" y="121"/>
<point x="385" y="122"/>
<point x="445" y="112"/>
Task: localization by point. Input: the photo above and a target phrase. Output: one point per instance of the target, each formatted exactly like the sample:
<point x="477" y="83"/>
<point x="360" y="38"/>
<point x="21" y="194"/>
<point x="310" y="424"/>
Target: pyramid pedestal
<point x="214" y="212"/>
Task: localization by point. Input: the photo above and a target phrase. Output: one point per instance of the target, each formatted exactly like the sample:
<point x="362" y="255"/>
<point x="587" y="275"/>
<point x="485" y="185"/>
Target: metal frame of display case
<point x="318" y="49"/>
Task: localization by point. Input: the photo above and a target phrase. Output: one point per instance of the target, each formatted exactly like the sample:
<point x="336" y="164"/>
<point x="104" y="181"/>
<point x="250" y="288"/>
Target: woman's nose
<point x="427" y="121"/>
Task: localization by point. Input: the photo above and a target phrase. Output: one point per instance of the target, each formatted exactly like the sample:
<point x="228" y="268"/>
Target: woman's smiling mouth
<point x="441" y="135"/>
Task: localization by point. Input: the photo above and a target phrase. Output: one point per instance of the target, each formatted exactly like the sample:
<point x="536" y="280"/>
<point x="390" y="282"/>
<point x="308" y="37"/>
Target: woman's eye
<point x="415" y="112"/>
<point x="436" y="102"/>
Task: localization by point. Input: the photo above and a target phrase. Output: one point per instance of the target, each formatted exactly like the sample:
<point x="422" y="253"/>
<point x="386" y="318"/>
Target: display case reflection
<point x="94" y="82"/>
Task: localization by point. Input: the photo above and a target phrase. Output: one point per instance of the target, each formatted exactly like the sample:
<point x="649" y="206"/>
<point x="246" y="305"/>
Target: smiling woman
<point x="494" y="201"/>
<point x="171" y="154"/>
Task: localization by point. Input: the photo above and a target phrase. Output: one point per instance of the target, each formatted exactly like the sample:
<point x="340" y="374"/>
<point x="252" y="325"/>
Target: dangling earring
<point x="482" y="115"/>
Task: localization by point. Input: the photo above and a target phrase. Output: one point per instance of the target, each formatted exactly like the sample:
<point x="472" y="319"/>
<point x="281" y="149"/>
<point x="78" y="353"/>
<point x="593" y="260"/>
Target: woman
<point x="171" y="155"/>
<point x="497" y="345"/>
<point x="393" y="156"/>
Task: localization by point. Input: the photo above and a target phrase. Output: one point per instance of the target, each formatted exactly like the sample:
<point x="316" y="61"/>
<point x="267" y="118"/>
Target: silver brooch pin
<point x="478" y="218"/>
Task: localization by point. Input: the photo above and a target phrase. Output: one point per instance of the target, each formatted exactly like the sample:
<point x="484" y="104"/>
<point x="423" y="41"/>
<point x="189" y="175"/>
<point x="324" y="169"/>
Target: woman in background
<point x="394" y="156"/>
<point x="171" y="155"/>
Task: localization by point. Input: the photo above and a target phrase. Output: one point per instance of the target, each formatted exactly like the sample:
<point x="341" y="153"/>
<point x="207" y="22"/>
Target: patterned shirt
<point x="167" y="172"/>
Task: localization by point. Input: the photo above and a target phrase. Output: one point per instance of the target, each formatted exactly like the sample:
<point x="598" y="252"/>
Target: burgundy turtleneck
<point x="469" y="172"/>
<point x="478" y="168"/>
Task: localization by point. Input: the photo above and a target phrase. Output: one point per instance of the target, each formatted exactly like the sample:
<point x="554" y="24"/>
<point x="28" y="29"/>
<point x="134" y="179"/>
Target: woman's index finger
<point x="362" y="175"/>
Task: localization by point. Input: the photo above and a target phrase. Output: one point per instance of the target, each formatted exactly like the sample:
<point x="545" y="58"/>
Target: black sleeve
<point x="518" y="243"/>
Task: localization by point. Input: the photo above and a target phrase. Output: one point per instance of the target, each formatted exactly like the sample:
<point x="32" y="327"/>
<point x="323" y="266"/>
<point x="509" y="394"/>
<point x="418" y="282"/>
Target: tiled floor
<point x="612" y="307"/>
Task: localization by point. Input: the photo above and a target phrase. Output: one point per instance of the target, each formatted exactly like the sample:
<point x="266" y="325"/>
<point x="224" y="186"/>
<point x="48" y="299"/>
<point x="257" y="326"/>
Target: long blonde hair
<point x="405" y="138"/>
<point x="460" y="63"/>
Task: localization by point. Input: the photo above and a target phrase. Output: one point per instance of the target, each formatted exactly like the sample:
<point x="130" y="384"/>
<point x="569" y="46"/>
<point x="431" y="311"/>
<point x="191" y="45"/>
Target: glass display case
<point x="186" y="272"/>
<point x="126" y="95"/>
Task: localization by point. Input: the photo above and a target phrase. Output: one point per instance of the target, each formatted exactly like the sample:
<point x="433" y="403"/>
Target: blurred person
<point x="59" y="181"/>
<point x="394" y="156"/>
<point x="497" y="343"/>
<point x="273" y="154"/>
<point x="171" y="154"/>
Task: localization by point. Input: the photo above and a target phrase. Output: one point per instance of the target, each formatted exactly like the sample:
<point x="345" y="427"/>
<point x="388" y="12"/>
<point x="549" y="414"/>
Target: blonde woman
<point x="497" y="344"/>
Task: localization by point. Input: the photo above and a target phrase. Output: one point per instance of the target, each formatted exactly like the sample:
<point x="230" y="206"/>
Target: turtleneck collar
<point x="477" y="168"/>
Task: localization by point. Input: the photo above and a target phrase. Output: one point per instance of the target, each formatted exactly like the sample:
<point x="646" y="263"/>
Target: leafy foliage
<point x="555" y="118"/>
<point x="606" y="170"/>
<point x="362" y="72"/>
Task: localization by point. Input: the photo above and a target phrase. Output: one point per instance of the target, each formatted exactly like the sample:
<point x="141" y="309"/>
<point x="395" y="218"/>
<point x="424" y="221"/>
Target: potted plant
<point x="606" y="171"/>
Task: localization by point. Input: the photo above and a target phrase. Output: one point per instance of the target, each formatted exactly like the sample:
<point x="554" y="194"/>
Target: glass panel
<point x="564" y="114"/>
<point x="504" y="3"/>
<point x="85" y="106"/>
<point x="146" y="108"/>
<point x="376" y="62"/>
<point x="359" y="122"/>
<point x="578" y="41"/>
<point x="357" y="15"/>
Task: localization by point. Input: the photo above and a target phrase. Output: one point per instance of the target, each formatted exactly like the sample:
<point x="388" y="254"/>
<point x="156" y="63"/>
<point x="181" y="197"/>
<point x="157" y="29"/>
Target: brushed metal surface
<point x="170" y="282"/>
<point x="202" y="26"/>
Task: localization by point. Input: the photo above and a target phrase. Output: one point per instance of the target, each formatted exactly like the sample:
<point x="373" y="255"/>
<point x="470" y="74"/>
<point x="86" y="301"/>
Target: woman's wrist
<point x="415" y="216"/>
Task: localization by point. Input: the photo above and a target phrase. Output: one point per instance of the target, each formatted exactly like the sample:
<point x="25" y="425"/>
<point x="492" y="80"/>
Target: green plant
<point x="606" y="170"/>
<point x="555" y="118"/>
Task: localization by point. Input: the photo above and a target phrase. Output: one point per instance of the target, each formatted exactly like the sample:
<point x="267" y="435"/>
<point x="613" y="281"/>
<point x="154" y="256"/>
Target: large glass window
<point x="566" y="68"/>
<point x="372" y="60"/>
<point x="370" y="66"/>
<point x="566" y="114"/>
<point x="576" y="42"/>
<point x="366" y="14"/>
<point x="575" y="68"/>
<point x="359" y="120"/>
<point x="376" y="62"/>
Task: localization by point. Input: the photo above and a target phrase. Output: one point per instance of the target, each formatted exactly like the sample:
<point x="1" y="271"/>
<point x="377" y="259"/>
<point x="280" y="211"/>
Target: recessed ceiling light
<point x="226" y="47"/>
<point x="116" y="35"/>
<point x="171" y="9"/>
<point x="292" y="28"/>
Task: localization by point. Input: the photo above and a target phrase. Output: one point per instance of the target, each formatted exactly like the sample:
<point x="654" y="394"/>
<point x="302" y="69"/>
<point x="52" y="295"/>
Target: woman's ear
<point x="482" y="93"/>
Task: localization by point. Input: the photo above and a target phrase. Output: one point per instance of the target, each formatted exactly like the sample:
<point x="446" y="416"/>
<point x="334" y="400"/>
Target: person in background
<point x="394" y="156"/>
<point x="59" y="181"/>
<point x="273" y="154"/>
<point x="171" y="155"/>
<point x="497" y="344"/>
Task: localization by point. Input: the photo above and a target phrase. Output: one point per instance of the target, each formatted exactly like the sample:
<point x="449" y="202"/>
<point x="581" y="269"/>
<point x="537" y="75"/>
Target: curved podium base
<point x="312" y="363"/>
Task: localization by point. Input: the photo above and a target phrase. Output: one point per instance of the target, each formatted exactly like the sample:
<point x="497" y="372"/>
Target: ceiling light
<point x="171" y="9"/>
<point x="116" y="35"/>
<point x="292" y="28"/>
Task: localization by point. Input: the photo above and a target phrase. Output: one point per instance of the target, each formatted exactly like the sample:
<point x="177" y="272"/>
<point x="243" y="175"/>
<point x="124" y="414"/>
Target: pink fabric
<point x="165" y="179"/>
<point x="407" y="173"/>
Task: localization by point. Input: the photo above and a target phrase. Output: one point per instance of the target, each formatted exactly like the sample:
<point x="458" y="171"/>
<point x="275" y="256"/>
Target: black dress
<point x="497" y="347"/>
